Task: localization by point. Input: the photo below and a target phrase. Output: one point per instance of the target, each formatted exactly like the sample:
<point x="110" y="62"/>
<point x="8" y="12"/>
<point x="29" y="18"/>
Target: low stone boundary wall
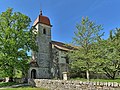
<point x="74" y="85"/>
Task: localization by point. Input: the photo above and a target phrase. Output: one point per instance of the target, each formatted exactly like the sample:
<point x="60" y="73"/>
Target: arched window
<point x="44" y="31"/>
<point x="33" y="74"/>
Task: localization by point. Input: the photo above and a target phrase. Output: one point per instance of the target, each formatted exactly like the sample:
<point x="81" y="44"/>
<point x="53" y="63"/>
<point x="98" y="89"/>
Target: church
<point x="51" y="60"/>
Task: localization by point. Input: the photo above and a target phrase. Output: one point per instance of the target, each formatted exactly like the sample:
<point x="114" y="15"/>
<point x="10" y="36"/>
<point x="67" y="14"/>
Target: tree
<point x="16" y="39"/>
<point x="109" y="54"/>
<point x="85" y="38"/>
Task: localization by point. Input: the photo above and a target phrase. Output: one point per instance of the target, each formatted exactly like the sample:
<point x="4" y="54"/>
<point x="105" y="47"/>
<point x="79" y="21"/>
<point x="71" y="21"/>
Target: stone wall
<point x="74" y="85"/>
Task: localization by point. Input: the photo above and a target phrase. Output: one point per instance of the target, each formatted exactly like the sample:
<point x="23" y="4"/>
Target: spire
<point x="40" y="12"/>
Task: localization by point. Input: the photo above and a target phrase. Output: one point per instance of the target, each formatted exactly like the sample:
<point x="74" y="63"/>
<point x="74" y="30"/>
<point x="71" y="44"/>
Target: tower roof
<point x="42" y="19"/>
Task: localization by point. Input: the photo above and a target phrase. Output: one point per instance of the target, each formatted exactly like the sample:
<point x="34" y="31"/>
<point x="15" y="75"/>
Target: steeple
<point x="40" y="11"/>
<point x="43" y="40"/>
<point x="42" y="19"/>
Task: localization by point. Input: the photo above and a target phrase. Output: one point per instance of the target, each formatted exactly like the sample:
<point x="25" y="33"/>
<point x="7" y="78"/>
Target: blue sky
<point x="64" y="14"/>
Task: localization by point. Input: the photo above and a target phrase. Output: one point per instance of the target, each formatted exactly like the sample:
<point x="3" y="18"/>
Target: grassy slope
<point x="98" y="80"/>
<point x="4" y="84"/>
<point x="25" y="88"/>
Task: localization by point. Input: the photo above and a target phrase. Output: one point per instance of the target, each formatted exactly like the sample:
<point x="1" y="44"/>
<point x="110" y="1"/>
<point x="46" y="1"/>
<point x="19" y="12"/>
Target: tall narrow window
<point x="44" y="31"/>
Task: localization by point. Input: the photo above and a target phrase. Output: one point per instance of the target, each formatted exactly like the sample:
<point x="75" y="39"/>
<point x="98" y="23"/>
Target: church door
<point x="33" y="74"/>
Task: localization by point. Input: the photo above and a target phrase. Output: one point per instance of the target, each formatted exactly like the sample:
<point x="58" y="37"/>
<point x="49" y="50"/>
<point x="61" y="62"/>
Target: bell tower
<point x="43" y="56"/>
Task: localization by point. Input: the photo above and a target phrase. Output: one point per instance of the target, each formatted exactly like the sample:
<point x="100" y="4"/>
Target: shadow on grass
<point x="25" y="88"/>
<point x="6" y="84"/>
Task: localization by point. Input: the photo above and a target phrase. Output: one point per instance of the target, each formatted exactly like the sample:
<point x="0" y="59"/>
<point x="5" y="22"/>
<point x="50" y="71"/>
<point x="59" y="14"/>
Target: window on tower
<point x="44" y="31"/>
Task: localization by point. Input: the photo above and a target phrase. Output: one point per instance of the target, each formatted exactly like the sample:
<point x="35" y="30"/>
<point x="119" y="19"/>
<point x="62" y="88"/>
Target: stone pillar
<point x="65" y="76"/>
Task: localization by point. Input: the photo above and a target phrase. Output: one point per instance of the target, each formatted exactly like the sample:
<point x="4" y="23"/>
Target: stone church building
<point x="50" y="61"/>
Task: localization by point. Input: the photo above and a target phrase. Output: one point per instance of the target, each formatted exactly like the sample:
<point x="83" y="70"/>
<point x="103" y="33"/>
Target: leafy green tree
<point x="16" y="39"/>
<point x="109" y="54"/>
<point x="87" y="34"/>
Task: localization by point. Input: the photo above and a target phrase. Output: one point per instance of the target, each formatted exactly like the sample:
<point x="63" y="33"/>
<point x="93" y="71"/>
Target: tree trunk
<point x="109" y="74"/>
<point x="114" y="74"/>
<point x="10" y="79"/>
<point x="87" y="74"/>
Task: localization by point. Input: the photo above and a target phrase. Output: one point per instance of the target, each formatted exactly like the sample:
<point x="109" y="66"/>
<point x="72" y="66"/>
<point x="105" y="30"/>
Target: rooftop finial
<point x="40" y="11"/>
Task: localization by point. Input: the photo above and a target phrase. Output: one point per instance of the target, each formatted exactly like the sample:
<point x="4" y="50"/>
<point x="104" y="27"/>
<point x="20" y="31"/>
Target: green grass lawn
<point x="25" y="88"/>
<point x="98" y="80"/>
<point x="4" y="84"/>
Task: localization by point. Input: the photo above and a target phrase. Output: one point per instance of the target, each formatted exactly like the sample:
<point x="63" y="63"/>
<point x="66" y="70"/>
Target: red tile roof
<point x="63" y="46"/>
<point x="42" y="19"/>
<point x="33" y="63"/>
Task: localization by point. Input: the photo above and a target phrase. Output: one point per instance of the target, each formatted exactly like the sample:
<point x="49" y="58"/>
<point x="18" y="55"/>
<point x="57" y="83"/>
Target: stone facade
<point x="50" y="60"/>
<point x="60" y="63"/>
<point x="43" y="56"/>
